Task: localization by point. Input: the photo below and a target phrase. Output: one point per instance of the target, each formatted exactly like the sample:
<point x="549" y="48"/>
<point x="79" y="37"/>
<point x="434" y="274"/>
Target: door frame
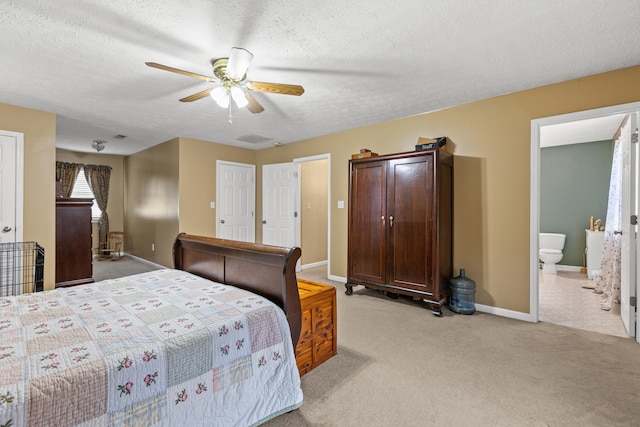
<point x="218" y="192"/>
<point x="534" y="192"/>
<point x="297" y="222"/>
<point x="19" y="184"/>
<point x="629" y="244"/>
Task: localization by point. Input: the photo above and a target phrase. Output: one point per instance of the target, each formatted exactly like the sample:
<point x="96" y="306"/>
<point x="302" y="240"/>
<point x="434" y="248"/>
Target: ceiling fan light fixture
<point x="239" y="60"/>
<point x="221" y="96"/>
<point x="98" y="145"/>
<point x="238" y="96"/>
<point x="229" y="82"/>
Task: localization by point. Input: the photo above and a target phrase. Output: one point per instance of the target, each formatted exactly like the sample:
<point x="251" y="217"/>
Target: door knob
<point x="6" y="229"/>
<point x="617" y="231"/>
<point x="222" y="221"/>
<point x="264" y="221"/>
<point x="391" y="221"/>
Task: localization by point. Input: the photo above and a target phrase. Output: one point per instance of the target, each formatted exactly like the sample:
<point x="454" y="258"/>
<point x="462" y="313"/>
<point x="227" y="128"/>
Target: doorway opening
<point x="313" y="202"/>
<point x="542" y="134"/>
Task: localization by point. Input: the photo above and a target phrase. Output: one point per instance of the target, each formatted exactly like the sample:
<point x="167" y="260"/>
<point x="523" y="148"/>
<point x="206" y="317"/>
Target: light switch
<point x="213" y="205"/>
<point x="340" y="204"/>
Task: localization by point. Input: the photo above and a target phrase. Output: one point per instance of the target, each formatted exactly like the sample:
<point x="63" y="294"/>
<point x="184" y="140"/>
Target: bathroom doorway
<point x="553" y="296"/>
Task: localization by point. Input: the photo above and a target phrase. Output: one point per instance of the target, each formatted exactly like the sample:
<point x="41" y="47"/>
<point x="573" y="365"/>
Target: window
<point x="81" y="189"/>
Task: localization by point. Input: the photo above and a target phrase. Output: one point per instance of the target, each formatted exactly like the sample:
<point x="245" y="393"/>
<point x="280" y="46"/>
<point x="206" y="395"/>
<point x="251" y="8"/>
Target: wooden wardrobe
<point x="401" y="225"/>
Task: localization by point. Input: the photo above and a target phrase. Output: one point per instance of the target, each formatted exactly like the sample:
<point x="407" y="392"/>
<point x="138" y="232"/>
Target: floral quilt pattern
<point x="159" y="348"/>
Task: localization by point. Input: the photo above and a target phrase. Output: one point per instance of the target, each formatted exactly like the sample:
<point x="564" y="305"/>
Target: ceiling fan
<point x="230" y="75"/>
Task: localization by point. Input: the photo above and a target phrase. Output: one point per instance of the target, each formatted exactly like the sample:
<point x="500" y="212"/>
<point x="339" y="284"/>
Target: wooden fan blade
<point x="280" y="88"/>
<point x="253" y="106"/>
<point x="178" y="71"/>
<point x="196" y="96"/>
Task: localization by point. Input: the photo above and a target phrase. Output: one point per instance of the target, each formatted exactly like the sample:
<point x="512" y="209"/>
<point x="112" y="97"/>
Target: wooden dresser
<point x="73" y="242"/>
<point x="318" y="341"/>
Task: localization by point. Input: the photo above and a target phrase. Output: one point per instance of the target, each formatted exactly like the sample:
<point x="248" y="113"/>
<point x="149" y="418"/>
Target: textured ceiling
<point x="360" y="61"/>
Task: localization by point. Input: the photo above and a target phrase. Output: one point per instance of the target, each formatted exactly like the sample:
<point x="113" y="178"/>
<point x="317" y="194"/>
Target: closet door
<point x="367" y="222"/>
<point x="410" y="206"/>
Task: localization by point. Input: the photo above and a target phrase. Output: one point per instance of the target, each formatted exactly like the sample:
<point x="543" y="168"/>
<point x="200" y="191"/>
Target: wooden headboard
<point x="266" y="270"/>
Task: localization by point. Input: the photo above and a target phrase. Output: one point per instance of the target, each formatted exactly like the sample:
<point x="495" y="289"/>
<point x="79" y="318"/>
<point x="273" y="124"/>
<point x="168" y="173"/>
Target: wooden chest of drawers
<point x="318" y="335"/>
<point x="73" y="242"/>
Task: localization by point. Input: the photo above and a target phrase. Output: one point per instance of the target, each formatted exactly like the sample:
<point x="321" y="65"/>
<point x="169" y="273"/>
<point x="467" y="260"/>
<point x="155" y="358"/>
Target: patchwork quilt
<point x="163" y="348"/>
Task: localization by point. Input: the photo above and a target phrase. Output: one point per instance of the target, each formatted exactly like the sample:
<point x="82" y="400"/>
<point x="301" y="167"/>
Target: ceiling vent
<point x="120" y="137"/>
<point x="254" y="139"/>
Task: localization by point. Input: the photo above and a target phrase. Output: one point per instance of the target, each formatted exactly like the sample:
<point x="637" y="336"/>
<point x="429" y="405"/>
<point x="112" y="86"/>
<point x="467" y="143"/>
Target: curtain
<point x="611" y="266"/>
<point x="98" y="180"/>
<point x="66" y="173"/>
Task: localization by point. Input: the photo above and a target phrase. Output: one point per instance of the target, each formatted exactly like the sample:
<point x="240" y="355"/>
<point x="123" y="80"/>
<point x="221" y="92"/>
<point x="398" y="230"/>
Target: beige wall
<point x="151" y="202"/>
<point x="168" y="189"/>
<point x="313" y="215"/>
<point x="39" y="215"/>
<point x="115" y="205"/>
<point x="491" y="142"/>
<point x="198" y="182"/>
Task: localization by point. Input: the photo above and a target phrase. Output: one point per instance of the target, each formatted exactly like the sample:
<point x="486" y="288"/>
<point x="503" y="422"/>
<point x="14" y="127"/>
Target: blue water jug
<point x="463" y="291"/>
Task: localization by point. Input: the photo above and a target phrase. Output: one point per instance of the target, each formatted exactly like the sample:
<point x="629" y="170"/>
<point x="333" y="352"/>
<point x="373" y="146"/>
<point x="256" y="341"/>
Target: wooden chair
<point x="112" y="247"/>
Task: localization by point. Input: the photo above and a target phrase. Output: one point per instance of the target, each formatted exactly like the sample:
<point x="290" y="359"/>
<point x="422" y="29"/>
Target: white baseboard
<point x="527" y="317"/>
<point x="337" y="278"/>
<point x="574" y="268"/>
<point x="313" y="264"/>
<point x="146" y="261"/>
<point x="518" y="315"/>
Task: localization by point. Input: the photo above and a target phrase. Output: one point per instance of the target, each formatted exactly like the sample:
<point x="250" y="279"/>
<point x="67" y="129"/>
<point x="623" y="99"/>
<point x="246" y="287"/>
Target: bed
<point x="210" y="342"/>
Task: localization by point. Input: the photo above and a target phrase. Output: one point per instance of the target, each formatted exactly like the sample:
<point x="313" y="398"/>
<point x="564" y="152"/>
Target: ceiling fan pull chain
<point x="230" y="117"/>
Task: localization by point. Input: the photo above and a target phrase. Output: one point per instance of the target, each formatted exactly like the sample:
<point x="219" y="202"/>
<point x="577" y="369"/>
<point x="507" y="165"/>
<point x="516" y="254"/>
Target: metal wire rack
<point x="21" y="268"/>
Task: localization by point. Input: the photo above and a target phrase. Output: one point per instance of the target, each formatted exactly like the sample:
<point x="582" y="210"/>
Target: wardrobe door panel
<point x="410" y="203"/>
<point x="367" y="218"/>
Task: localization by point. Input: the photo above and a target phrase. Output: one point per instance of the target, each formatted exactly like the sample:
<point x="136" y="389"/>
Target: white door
<point x="278" y="204"/>
<point x="628" y="280"/>
<point x="10" y="186"/>
<point x="235" y="200"/>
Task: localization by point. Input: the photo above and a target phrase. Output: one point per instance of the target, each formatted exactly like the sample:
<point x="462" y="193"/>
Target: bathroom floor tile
<point x="565" y="299"/>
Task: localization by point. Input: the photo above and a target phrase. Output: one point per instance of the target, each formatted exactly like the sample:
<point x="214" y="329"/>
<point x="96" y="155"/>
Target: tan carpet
<point x="398" y="365"/>
<point x="125" y="266"/>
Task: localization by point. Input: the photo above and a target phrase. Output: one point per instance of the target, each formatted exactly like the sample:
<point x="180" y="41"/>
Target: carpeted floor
<point x="398" y="365"/>
<point x="125" y="266"/>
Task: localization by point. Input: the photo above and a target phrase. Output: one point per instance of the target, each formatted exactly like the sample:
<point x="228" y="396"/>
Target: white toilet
<point x="550" y="253"/>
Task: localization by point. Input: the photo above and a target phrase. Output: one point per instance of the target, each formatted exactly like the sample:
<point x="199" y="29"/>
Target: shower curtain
<point x="611" y="266"/>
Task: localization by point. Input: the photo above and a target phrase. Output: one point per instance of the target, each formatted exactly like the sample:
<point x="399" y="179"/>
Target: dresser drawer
<point x="318" y="340"/>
